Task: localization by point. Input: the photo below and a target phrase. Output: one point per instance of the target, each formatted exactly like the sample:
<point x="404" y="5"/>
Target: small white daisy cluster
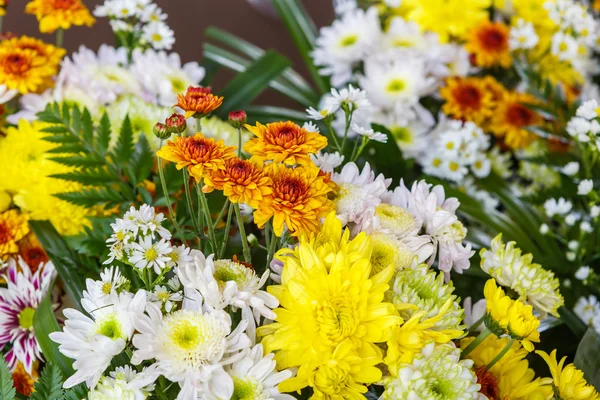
<point x="588" y="309"/>
<point x="420" y="221"/>
<point x="397" y="64"/>
<point x="140" y="19"/>
<point x="584" y="127"/>
<point x="183" y="326"/>
<point x="145" y="89"/>
<point x="458" y="148"/>
<point x="522" y="36"/>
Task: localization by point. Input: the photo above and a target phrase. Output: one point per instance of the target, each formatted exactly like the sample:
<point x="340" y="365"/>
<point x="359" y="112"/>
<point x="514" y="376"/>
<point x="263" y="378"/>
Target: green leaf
<point x="124" y="147"/>
<point x="246" y="86"/>
<point x="62" y="257"/>
<point x="87" y="127"/>
<point x="141" y="162"/>
<point x="587" y="356"/>
<point x="104" y="131"/>
<point x="49" y="386"/>
<point x="92" y="197"/>
<point x="304" y="34"/>
<point x="89" y="160"/>
<point x="90" y="176"/>
<point x="7" y="391"/>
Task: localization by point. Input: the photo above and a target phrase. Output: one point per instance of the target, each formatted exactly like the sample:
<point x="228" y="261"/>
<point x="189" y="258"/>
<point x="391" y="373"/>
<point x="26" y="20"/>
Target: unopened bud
<point x="176" y="123"/>
<point x="237" y="119"/>
<point x="161" y="131"/>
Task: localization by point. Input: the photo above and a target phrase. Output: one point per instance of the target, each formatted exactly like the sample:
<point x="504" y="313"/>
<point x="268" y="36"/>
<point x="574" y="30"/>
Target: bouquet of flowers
<point x="425" y="229"/>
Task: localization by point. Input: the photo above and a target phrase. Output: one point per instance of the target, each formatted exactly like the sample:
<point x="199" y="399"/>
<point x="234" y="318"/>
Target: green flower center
<point x="348" y="40"/>
<point x="396" y="85"/>
<point x="185" y="335"/>
<point x="111" y="328"/>
<point x="442" y="388"/>
<point x="244" y="389"/>
<point x="26" y="318"/>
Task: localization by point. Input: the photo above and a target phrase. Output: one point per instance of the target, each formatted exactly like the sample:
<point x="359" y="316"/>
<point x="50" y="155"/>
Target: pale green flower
<point x="534" y="285"/>
<point x="437" y="373"/>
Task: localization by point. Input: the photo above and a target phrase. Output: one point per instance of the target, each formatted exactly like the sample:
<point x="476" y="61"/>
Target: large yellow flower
<point x="298" y="201"/>
<point x="488" y="42"/>
<point x="569" y="382"/>
<point x="59" y="14"/>
<point x="449" y="18"/>
<point x="283" y="142"/>
<point x="242" y="181"/>
<point x="468" y="99"/>
<point x="201" y="155"/>
<point x="321" y="308"/>
<point x="13" y="227"/>
<point x="511" y="118"/>
<point x="510" y="378"/>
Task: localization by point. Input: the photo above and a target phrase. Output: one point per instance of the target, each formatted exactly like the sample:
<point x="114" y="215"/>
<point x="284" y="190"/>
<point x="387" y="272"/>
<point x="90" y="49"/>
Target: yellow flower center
<point x="396" y="86"/>
<point x="331" y="380"/>
<point x="26" y="318"/>
<point x="106" y="287"/>
<point x="185" y="335"/>
<point x="436" y="162"/>
<point x="151" y="254"/>
<point x="563" y="46"/>
<point x="395" y="219"/>
<point x="454" y="166"/>
<point x="156" y="37"/>
<point x="337" y="319"/>
<point x="163" y="296"/>
<point x="348" y="40"/>
<point x="120" y="236"/>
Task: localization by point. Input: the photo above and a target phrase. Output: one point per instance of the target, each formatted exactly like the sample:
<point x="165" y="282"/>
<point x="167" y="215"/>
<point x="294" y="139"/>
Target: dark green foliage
<point x="7" y="391"/>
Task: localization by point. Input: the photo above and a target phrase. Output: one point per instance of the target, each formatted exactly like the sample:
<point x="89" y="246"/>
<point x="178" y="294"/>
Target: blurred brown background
<point x="189" y="18"/>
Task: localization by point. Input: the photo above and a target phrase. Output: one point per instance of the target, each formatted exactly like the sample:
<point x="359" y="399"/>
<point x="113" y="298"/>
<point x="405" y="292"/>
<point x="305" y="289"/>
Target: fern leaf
<point x="67" y="148"/>
<point x="49" y="386"/>
<point x="92" y="197"/>
<point x="87" y="127"/>
<point x="90" y="176"/>
<point x="7" y="391"/>
<point x="141" y="162"/>
<point x="103" y="137"/>
<point x="89" y="160"/>
<point x="76" y="121"/>
<point x="124" y="147"/>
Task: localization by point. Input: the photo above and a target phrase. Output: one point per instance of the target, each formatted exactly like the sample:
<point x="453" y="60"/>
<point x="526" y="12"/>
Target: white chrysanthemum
<point x="152" y="12"/>
<point x="397" y="221"/>
<point x="150" y="254"/>
<point x="358" y="195"/>
<point x="437" y="373"/>
<point x="256" y="378"/>
<point x="347" y="41"/>
<point x="164" y="298"/>
<point x="158" y="35"/>
<point x="588" y="309"/>
<point x="29" y="105"/>
<point x="125" y="384"/>
<point x="535" y="285"/>
<point x="163" y="76"/>
<point x="404" y="34"/>
<point x="327" y="162"/>
<point x="399" y="253"/>
<point x="191" y="347"/>
<point x="355" y="98"/>
<point x="93" y="342"/>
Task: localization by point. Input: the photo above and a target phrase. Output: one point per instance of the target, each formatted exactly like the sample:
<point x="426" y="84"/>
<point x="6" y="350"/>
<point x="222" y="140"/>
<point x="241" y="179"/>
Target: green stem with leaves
<point x="239" y="142"/>
<point x="245" y="247"/>
<point x="482" y="336"/>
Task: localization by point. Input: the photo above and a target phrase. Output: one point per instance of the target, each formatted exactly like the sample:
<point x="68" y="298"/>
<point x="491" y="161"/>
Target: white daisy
<point x="7" y="94"/>
<point x="585" y="187"/>
<point x="564" y="46"/>
<point x="370" y="134"/>
<point x="327" y="162"/>
<point x="355" y="98"/>
<point x="570" y="169"/>
<point x="162" y="297"/>
<point x="588" y="309"/>
<point x="583" y="272"/>
<point x="522" y="36"/>
<point x="126" y="384"/>
<point x="588" y="110"/>
<point x="158" y="35"/>
<point x="149" y="254"/>
<point x="152" y="12"/>
<point x="557" y="207"/>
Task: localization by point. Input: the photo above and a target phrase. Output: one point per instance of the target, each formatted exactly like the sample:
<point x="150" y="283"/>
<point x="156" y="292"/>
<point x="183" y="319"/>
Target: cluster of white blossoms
<point x="459" y="148"/>
<point x="588" y="309"/>
<point x="140" y="19"/>
<point x="144" y="89"/>
<point x="584" y="127"/>
<point x="421" y="222"/>
<point x="397" y="65"/>
<point x="181" y="326"/>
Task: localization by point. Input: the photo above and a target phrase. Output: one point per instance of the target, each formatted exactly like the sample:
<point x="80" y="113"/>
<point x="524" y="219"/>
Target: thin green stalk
<point x="163" y="183"/>
<point x="206" y="210"/>
<point x="347" y="128"/>
<point x="200" y="218"/>
<point x="60" y="35"/>
<point x="475" y="342"/>
<point x="272" y="249"/>
<point x="188" y="197"/>
<point x="149" y="277"/>
<point x="1" y="23"/>
<point x="355" y="149"/>
<point x="333" y="135"/>
<point x="245" y="247"/>
<point x="501" y="354"/>
<point x="363" y="144"/>
<point x="199" y="124"/>
<point x="474" y="327"/>
<point x="220" y="217"/>
<point x="227" y="229"/>
<point x="239" y="142"/>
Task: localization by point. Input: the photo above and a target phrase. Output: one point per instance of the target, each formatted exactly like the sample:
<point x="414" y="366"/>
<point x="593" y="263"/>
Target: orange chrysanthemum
<point x="511" y="118"/>
<point x="52" y="54"/>
<point x="242" y="181"/>
<point x="198" y="153"/>
<point x="22" y="381"/>
<point x="32" y="252"/>
<point x="283" y="142"/>
<point x="298" y="201"/>
<point x="198" y="100"/>
<point x="22" y="70"/>
<point x="59" y="14"/>
<point x="488" y="43"/>
<point x="13" y="227"/>
<point x="467" y="99"/>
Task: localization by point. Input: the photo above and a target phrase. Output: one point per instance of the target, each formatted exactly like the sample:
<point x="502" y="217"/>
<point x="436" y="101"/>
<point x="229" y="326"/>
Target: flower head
<point x="21" y="69"/>
<point x="237" y="119"/>
<point x="488" y="42"/>
<point x="198" y="153"/>
<point x="512" y="117"/>
<point x="467" y="99"/>
<point x="198" y="101"/>
<point x="242" y="181"/>
<point x="569" y="382"/>
<point x="23" y="381"/>
<point x="13" y="227"/>
<point x="32" y="252"/>
<point x="299" y="199"/>
<point x="59" y="14"/>
<point x="284" y="142"/>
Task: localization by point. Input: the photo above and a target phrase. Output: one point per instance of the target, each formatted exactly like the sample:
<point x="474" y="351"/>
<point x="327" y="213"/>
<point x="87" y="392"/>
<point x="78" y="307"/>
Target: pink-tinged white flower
<point x="92" y="341"/>
<point x="359" y="194"/>
<point x="18" y="301"/>
<point x="191" y="346"/>
<point x="150" y="254"/>
<point x="258" y="377"/>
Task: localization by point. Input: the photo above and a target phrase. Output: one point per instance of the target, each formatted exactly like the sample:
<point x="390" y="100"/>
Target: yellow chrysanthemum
<point x="26" y="175"/>
<point x="448" y="18"/>
<point x="13" y="227"/>
<point x="298" y="201"/>
<point x="512" y="116"/>
<point x="242" y="181"/>
<point x="342" y="375"/>
<point x="569" y="382"/>
<point x="488" y="43"/>
<point x="201" y="155"/>
<point x="283" y="142"/>
<point x="468" y="99"/>
<point x="557" y="71"/>
<point x="510" y="378"/>
<point x="59" y="14"/>
<point x="321" y="308"/>
<point x="505" y="315"/>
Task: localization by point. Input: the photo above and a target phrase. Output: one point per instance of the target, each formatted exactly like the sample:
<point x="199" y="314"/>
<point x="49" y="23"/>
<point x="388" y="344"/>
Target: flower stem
<point x="206" y="210"/>
<point x="501" y="354"/>
<point x="188" y="197"/>
<point x="1" y="23"/>
<point x="227" y="229"/>
<point x="163" y="183"/>
<point x="199" y="124"/>
<point x="272" y="247"/>
<point x="333" y="136"/>
<point x="220" y="217"/>
<point x="239" y="142"/>
<point x="348" y="113"/>
<point x="475" y="325"/>
<point x="60" y="35"/>
<point x="245" y="247"/>
<point x="476" y="342"/>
